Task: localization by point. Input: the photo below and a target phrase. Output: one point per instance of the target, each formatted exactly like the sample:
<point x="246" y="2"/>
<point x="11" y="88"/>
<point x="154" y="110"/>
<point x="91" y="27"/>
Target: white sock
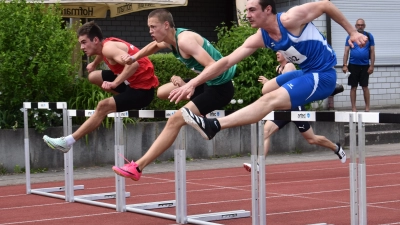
<point x="69" y="140"/>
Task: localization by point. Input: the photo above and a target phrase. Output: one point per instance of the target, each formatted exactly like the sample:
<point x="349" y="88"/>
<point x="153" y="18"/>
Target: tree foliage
<point x="261" y="62"/>
<point x="36" y="49"/>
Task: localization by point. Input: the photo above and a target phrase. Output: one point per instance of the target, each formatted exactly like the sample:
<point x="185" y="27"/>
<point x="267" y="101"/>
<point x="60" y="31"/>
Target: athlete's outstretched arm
<point x="295" y="18"/>
<point x="251" y="44"/>
<point x="149" y="49"/>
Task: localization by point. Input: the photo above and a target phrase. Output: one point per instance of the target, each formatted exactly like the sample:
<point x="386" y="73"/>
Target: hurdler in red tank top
<point x="144" y="77"/>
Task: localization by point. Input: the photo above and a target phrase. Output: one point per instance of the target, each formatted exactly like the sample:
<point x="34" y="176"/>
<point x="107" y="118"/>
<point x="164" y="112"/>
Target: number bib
<point x="293" y="56"/>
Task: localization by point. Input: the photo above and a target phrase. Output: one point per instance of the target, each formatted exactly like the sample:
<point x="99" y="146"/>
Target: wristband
<point x="133" y="59"/>
<point x="344" y="65"/>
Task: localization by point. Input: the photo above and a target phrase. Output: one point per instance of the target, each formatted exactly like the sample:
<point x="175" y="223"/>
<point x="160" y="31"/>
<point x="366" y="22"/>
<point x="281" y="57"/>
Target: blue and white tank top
<point x="310" y="50"/>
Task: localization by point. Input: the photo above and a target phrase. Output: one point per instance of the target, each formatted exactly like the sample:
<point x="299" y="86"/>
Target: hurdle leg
<point x="68" y="161"/>
<point x="261" y="180"/>
<point x="26" y="148"/>
<point x="362" y="190"/>
<point x="119" y="151"/>
<point x="353" y="172"/>
<point x="180" y="178"/>
<point x="254" y="176"/>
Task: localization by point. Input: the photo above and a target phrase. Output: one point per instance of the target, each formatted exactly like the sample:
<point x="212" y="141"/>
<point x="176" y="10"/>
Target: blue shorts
<point x="307" y="87"/>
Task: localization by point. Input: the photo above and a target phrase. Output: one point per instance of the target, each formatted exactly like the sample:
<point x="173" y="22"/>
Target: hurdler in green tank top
<point x="192" y="63"/>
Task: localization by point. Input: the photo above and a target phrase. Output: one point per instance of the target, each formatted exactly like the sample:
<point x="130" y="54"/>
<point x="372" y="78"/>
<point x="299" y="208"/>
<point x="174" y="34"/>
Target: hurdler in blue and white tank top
<point x="310" y="50"/>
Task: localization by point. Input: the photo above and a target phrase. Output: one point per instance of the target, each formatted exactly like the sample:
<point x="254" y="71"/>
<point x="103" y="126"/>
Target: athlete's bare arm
<point x="296" y="17"/>
<point x="149" y="49"/>
<point x="288" y="67"/>
<point x="190" y="45"/>
<point x="113" y="51"/>
<point x="251" y="44"/>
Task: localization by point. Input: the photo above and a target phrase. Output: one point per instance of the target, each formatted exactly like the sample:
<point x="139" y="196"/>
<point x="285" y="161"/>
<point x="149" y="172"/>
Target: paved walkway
<point x="98" y="172"/>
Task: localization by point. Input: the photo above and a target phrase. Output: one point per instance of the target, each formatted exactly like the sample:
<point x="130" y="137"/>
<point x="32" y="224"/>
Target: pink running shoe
<point x="129" y="170"/>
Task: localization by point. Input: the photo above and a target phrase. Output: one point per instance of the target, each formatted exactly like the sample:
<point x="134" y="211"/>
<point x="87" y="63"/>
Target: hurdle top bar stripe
<point x="368" y="117"/>
<point x="45" y="105"/>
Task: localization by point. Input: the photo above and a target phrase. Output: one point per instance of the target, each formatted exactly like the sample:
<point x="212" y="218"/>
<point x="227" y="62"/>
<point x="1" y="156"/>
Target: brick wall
<point x="384" y="88"/>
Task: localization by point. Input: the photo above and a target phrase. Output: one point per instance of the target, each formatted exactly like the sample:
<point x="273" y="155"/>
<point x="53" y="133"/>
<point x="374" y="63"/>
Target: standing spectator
<point x="359" y="65"/>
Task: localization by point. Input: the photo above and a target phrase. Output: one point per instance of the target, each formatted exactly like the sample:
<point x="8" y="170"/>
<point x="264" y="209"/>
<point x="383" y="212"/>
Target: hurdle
<point x="44" y="191"/>
<point x="357" y="166"/>
<point x="180" y="178"/>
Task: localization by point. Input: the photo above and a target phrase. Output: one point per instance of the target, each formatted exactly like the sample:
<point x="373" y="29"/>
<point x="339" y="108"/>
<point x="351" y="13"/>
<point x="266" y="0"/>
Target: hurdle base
<point x="101" y="196"/>
<point x="221" y="215"/>
<point x="153" y="205"/>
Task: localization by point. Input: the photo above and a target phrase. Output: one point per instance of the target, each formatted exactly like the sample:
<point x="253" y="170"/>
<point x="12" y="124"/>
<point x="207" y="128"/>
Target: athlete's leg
<point x="164" y="90"/>
<point x="314" y="139"/>
<point x="104" y="107"/>
<point x="324" y="142"/>
<point x="206" y="100"/>
<point x="269" y="129"/>
<point x="166" y="137"/>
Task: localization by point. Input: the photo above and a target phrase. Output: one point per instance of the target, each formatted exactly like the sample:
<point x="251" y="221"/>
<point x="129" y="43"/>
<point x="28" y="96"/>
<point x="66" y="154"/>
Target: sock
<point x="216" y="126"/>
<point x="69" y="140"/>
<point x="337" y="148"/>
<point x="137" y="168"/>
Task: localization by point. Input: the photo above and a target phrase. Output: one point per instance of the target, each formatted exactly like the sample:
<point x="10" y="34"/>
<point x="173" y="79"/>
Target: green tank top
<point x="192" y="63"/>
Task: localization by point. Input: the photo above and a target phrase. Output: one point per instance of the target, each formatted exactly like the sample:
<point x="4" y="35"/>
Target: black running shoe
<point x="338" y="89"/>
<point x="208" y="128"/>
<point x="341" y="153"/>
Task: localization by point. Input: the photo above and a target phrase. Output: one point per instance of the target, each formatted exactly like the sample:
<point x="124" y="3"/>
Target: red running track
<point x="299" y="193"/>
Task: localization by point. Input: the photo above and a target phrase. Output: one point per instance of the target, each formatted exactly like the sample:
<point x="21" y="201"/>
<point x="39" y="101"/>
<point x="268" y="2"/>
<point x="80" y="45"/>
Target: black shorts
<point x="128" y="98"/>
<point x="210" y="98"/>
<point x="302" y="126"/>
<point x="359" y="75"/>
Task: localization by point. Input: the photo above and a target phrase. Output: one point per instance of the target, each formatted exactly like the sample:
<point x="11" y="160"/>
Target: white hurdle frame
<point x="358" y="190"/>
<point x="258" y="190"/>
<point x="45" y="191"/>
<point x="358" y="193"/>
<point x="180" y="185"/>
<point x="91" y="199"/>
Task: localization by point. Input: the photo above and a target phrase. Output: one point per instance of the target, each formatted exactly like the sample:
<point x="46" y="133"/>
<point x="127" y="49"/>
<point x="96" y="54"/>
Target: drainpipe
<point x="331" y="105"/>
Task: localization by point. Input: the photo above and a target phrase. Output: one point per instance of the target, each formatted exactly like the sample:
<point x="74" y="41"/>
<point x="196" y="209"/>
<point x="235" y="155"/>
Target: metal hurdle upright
<point x="180" y="180"/>
<point x="358" y="190"/>
<point x="45" y="191"/>
<point x="92" y="199"/>
<point x="258" y="190"/>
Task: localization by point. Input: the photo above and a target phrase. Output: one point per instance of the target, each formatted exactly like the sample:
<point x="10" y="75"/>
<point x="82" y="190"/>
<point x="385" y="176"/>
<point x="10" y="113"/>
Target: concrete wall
<point x="98" y="148"/>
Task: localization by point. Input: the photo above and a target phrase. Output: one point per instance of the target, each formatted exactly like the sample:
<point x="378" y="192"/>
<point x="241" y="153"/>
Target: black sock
<point x="337" y="148"/>
<point x="137" y="168"/>
<point x="215" y="125"/>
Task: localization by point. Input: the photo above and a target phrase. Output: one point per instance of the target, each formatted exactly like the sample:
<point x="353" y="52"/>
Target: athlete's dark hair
<point x="91" y="29"/>
<point x="163" y="15"/>
<point x="265" y="3"/>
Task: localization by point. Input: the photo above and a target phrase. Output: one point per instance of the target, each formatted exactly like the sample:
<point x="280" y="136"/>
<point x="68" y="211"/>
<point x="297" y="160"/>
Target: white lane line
<point x="60" y="218"/>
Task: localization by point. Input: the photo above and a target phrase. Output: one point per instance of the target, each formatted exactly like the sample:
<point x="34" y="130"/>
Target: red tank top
<point x="144" y="77"/>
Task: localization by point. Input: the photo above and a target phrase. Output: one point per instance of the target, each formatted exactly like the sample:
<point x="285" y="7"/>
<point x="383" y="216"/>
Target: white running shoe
<point x="341" y="154"/>
<point x="247" y="166"/>
<point x="57" y="143"/>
